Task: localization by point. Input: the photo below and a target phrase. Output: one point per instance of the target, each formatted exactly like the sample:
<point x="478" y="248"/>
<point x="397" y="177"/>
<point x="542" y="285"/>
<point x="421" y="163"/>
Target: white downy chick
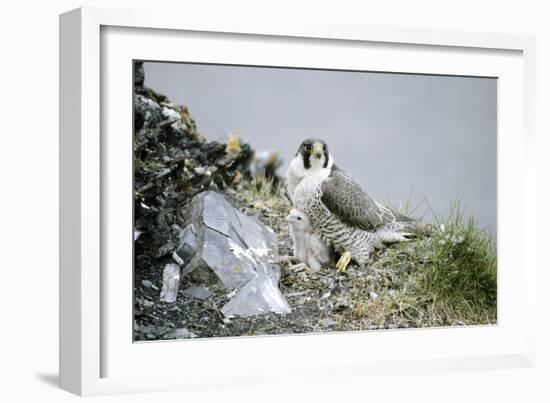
<point x="308" y="247"/>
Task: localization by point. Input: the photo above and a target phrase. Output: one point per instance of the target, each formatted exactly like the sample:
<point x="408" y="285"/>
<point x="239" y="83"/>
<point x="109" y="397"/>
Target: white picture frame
<point x="96" y="355"/>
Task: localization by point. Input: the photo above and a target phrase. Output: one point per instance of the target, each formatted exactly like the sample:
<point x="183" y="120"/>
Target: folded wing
<point x="343" y="196"/>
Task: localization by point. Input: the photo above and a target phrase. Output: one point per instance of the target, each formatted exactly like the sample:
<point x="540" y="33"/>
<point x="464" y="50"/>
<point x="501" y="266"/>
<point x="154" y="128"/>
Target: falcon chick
<point x="308" y="247"/>
<point x="340" y="212"/>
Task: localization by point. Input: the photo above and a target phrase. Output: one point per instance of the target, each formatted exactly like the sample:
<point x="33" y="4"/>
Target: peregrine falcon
<point x="341" y="213"/>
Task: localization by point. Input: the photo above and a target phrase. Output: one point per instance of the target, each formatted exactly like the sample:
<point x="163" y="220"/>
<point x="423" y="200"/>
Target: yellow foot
<point x="343" y="262"/>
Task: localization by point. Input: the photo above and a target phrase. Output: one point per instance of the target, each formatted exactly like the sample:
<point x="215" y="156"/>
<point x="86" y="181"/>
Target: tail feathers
<point x="402" y="230"/>
<point x="402" y="218"/>
<point x="412" y="225"/>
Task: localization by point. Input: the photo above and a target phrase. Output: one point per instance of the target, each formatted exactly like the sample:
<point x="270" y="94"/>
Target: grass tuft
<point x="260" y="187"/>
<point x="460" y="266"/>
<point x="448" y="277"/>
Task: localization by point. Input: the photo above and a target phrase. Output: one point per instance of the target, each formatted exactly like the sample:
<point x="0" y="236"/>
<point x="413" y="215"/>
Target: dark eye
<point x="324" y="147"/>
<point x="299" y="218"/>
<point x="308" y="147"/>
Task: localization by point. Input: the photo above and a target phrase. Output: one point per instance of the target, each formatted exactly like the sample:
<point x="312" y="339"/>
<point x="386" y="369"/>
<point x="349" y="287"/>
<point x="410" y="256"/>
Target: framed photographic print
<point x="256" y="193"/>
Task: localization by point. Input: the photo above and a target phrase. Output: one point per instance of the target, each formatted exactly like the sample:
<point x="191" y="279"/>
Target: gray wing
<point x="345" y="199"/>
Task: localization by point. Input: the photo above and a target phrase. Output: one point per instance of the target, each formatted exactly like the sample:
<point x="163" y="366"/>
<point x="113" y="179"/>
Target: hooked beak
<point x="317" y="150"/>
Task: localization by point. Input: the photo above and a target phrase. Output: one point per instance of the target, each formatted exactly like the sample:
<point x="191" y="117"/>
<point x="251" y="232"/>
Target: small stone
<point x="327" y="322"/>
<point x="164" y="249"/>
<point x="183" y="333"/>
<point x="198" y="293"/>
<point x="259" y="205"/>
<point x="170" y="283"/>
<point x="149" y="284"/>
<point x="325" y="295"/>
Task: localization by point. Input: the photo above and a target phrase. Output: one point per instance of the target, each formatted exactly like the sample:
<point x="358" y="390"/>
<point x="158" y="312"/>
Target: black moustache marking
<point x="307" y="162"/>
<point x="326" y="157"/>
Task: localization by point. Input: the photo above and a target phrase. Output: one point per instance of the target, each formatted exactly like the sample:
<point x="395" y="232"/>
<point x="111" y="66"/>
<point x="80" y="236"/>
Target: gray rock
<point x="170" y="282"/>
<point x="327" y="322"/>
<point x="149" y="284"/>
<point x="183" y="333"/>
<point x="189" y="243"/>
<point x="259" y="296"/>
<point x="238" y="249"/>
<point x="198" y="293"/>
<point x="227" y="259"/>
<point x="164" y="249"/>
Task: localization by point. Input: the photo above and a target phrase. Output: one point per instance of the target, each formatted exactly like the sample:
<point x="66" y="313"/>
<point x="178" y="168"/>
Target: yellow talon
<point x="343" y="262"/>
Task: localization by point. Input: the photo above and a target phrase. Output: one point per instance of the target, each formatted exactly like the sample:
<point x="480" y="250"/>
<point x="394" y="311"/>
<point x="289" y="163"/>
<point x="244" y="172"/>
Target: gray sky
<point x="395" y="133"/>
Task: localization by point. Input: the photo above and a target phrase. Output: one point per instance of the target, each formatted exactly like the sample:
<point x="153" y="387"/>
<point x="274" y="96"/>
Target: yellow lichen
<point x="233" y="144"/>
<point x="237" y="178"/>
<point x="184" y="114"/>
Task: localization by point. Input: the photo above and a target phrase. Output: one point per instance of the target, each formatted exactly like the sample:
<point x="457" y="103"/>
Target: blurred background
<point x="420" y="140"/>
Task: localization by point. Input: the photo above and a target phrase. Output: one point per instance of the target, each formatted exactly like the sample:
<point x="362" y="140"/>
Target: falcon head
<point x="314" y="155"/>
<point x="298" y="220"/>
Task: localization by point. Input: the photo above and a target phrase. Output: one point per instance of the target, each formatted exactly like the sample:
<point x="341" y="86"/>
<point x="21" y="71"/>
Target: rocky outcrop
<point x="236" y="251"/>
<point x="173" y="163"/>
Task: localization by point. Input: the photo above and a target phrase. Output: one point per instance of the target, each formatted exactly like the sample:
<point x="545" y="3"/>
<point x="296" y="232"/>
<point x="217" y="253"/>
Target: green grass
<point x="264" y="196"/>
<point x="264" y="193"/>
<point x="260" y="187"/>
<point x="448" y="277"/>
<point x="459" y="268"/>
